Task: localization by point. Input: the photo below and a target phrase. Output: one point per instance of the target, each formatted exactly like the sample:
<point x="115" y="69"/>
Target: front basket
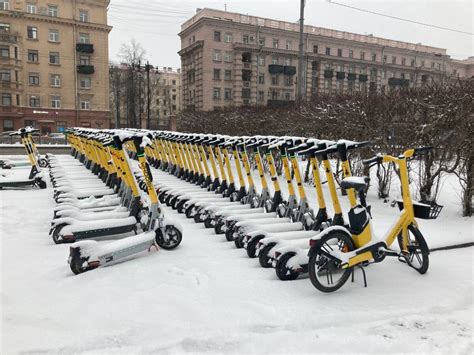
<point x="423" y="210"/>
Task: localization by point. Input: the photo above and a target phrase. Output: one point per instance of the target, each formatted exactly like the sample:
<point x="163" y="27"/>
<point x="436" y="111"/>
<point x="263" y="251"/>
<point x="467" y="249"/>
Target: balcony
<point x="275" y="69"/>
<point x="351" y="76"/>
<point x="84" y="48"/>
<point x="8" y="37"/>
<point x="289" y="70"/>
<point x="9" y="85"/>
<point x="340" y="75"/>
<point x="10" y="62"/>
<point x="328" y="74"/>
<point x="85" y="69"/>
<point x="363" y="77"/>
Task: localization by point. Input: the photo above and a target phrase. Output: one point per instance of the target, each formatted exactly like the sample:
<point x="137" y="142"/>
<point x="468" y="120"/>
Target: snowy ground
<point x="207" y="296"/>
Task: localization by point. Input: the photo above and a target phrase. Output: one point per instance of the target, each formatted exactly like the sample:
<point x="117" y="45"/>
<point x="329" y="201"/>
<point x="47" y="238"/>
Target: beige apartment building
<point x="54" y="64"/>
<point x="165" y="97"/>
<point x="235" y="59"/>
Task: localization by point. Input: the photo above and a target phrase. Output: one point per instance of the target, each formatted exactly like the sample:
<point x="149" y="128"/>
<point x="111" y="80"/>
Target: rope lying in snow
<point x="455" y="246"/>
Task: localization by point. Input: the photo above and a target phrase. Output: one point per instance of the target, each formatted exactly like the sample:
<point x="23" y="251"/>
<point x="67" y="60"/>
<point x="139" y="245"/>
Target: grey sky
<point x="156" y="23"/>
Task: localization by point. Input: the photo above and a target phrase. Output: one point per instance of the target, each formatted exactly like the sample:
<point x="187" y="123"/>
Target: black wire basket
<point x="424" y="210"/>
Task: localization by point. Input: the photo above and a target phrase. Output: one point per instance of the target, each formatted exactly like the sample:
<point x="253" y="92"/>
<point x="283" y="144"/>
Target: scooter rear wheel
<point x="263" y="257"/>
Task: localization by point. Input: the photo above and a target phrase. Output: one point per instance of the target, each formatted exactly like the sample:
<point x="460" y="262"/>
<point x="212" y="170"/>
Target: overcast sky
<point x="156" y="23"/>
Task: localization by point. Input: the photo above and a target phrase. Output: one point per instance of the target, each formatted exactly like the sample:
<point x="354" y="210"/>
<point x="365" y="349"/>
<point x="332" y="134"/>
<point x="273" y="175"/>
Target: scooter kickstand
<point x="363" y="274"/>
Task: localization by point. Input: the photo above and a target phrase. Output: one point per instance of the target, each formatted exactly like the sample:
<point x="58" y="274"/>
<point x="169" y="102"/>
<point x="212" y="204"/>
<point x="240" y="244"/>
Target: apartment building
<point x="165" y="97"/>
<point x="235" y="59"/>
<point x="54" y="64"/>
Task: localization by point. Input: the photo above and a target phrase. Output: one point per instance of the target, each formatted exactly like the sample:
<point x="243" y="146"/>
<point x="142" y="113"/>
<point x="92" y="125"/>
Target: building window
<point x="7" y="125"/>
<point x="339" y="52"/>
<point x="245" y="39"/>
<point x="261" y="60"/>
<point x="85" y="82"/>
<point x="32" y="55"/>
<point x="246" y="75"/>
<point x="32" y="32"/>
<point x="55" y="80"/>
<point x="374" y="57"/>
<point x="53" y="57"/>
<point x="274" y="60"/>
<point x="216" y="93"/>
<point x="61" y="126"/>
<point x="4" y="4"/>
<point x="33" y="79"/>
<point x="246" y="93"/>
<point x="362" y="55"/>
<point x="261" y="78"/>
<point x="315" y="49"/>
<point x="412" y="63"/>
<point x="34" y="101"/>
<point x="84" y="60"/>
<point x="261" y="96"/>
<point x="327" y="83"/>
<point x="227" y="56"/>
<point x="228" y="38"/>
<point x="432" y="65"/>
<point x="288" y="45"/>
<point x="384" y="59"/>
<point x="328" y="51"/>
<point x="227" y="94"/>
<point x="217" y="74"/>
<point x="288" y="81"/>
<point x="5" y="75"/>
<point x="228" y="75"/>
<point x="287" y="61"/>
<point x="350" y="86"/>
<point x="404" y="61"/>
<point x="6" y="99"/>
<point x="31" y="8"/>
<point x="56" y="101"/>
<point x="275" y="43"/>
<point x="5" y="52"/>
<point x="217" y="36"/>
<point x="261" y="41"/>
<point x="402" y="76"/>
<point x="216" y="55"/>
<point x="351" y="53"/>
<point x="84" y="38"/>
<point x="422" y="63"/>
<point x="394" y="60"/>
<point x="53" y="36"/>
<point x="83" y="16"/>
<point x="287" y="96"/>
<point x="85" y="105"/>
<point x="52" y="11"/>
<point x="384" y="74"/>
<point x="274" y="79"/>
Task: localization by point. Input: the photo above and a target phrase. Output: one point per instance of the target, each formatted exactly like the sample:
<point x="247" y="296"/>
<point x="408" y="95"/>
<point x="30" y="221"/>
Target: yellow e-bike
<point x="337" y="250"/>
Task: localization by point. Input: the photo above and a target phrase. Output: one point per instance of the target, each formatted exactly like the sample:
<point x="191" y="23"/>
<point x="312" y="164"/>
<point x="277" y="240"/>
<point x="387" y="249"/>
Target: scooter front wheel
<point x="326" y="272"/>
<point x="172" y="240"/>
<point x="284" y="272"/>
<point x="417" y="248"/>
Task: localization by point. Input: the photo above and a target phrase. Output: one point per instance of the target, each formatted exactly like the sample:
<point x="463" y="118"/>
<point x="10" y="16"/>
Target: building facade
<point x="165" y="97"/>
<point x="54" y="64"/>
<point x="235" y="59"/>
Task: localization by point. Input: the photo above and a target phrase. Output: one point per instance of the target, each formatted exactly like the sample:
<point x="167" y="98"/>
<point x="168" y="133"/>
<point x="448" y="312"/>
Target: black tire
<point x="218" y="227"/>
<point x="239" y="242"/>
<point x="263" y="257"/>
<point x="188" y="211"/>
<point x="174" y="237"/>
<point x="161" y="197"/>
<point x="76" y="261"/>
<point x="55" y="234"/>
<point x="208" y="222"/>
<point x="180" y="205"/>
<point x="229" y="235"/>
<point x="252" y="246"/>
<point x="43" y="163"/>
<point x="418" y="257"/>
<point x="319" y="263"/>
<point x="41" y="183"/>
<point x="283" y="272"/>
<point x="197" y="217"/>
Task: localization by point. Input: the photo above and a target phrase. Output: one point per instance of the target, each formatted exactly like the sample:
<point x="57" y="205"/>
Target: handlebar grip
<point x="422" y="150"/>
<point x="377" y="159"/>
<point x="108" y="143"/>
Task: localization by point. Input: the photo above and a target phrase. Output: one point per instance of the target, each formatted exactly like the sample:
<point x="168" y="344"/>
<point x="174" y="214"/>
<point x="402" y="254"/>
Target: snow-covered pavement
<point x="207" y="296"/>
